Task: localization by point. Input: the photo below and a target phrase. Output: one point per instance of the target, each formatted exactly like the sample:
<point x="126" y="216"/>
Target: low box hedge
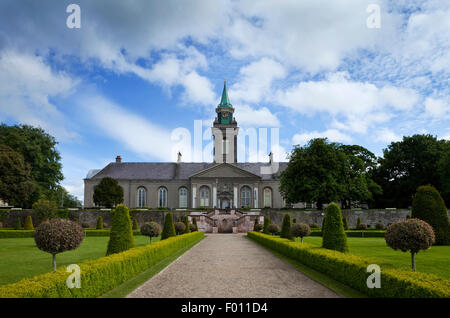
<point x="354" y="233"/>
<point x="100" y="275"/>
<point x="30" y="233"/>
<point x="351" y="270"/>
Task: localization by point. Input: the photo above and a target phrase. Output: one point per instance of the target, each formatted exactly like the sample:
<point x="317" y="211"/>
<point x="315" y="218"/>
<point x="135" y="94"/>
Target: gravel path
<point x="229" y="266"/>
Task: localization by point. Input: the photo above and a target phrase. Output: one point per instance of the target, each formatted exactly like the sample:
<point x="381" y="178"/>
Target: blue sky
<point x="137" y="70"/>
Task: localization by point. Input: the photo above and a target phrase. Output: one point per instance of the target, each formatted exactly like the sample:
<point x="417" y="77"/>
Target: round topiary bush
<point x="410" y="235"/>
<point x="187" y="225"/>
<point x="258" y="227"/>
<point x="267" y="222"/>
<point x="286" y="226"/>
<point x="44" y="210"/>
<point x="58" y="235"/>
<point x="300" y="230"/>
<point x="99" y="223"/>
<point x="28" y="223"/>
<point x="193" y="227"/>
<point x="314" y="226"/>
<point x="151" y="229"/>
<point x="273" y="229"/>
<point x="180" y="227"/>
<point x="85" y="225"/>
<point x="121" y="235"/>
<point x="169" y="228"/>
<point x="333" y="234"/>
<point x="429" y="206"/>
<point x="361" y="227"/>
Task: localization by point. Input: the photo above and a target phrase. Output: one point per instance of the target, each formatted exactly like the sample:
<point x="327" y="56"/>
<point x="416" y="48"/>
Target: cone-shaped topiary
<point x="28" y="223"/>
<point x="267" y="222"/>
<point x="180" y="227"/>
<point x="286" y="226"/>
<point x="300" y="230"/>
<point x="258" y="227"/>
<point x="344" y="221"/>
<point x="410" y="235"/>
<point x="99" y="223"/>
<point x="169" y="228"/>
<point x="135" y="224"/>
<point x="151" y="229"/>
<point x="57" y="236"/>
<point x="194" y="222"/>
<point x="121" y="236"/>
<point x="358" y="222"/>
<point x="18" y="225"/>
<point x="333" y="234"/>
<point x="186" y="223"/>
<point x="428" y="206"/>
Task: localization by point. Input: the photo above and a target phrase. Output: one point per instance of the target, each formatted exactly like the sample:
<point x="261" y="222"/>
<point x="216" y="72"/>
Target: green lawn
<point x="435" y="260"/>
<point x="20" y="258"/>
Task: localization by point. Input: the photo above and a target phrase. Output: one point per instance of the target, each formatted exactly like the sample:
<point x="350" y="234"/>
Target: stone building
<point x="223" y="183"/>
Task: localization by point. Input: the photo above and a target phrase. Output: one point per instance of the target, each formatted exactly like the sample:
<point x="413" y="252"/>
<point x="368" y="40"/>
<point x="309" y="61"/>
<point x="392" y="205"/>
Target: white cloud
<point x="386" y="136"/>
<point x="437" y="108"/>
<point x="255" y="80"/>
<point x="248" y="117"/>
<point x="27" y="85"/>
<point x="331" y="134"/>
<point x="137" y="134"/>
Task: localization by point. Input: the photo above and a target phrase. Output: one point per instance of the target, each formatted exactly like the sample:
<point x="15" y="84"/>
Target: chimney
<point x="270" y="157"/>
<point x="118" y="159"/>
<point x="179" y="157"/>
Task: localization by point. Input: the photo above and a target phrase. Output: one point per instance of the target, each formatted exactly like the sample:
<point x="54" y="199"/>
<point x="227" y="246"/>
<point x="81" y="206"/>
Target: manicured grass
<point x="20" y="258"/>
<point x="436" y="260"/>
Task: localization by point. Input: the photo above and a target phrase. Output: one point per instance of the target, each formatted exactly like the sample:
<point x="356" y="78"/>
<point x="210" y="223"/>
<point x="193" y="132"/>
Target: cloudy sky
<point x="137" y="70"/>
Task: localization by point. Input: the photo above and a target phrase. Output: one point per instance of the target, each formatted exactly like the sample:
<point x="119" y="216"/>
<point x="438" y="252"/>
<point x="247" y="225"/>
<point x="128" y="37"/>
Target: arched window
<point x="204" y="196"/>
<point x="267" y="197"/>
<point x="245" y="196"/>
<point x="162" y="197"/>
<point x="183" y="197"/>
<point x="141" y="197"/>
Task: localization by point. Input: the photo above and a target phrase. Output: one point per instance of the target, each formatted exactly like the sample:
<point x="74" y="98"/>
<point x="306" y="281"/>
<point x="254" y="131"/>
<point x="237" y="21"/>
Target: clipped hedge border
<point x="100" y="275"/>
<point x="351" y="270"/>
<point x="355" y="233"/>
<point x="30" y="233"/>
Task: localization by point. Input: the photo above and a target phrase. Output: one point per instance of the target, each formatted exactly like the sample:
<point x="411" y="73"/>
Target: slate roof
<point x="170" y="170"/>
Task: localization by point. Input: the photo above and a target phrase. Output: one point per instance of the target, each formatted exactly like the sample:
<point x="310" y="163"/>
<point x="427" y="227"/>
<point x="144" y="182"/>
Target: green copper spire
<point x="225" y="101"/>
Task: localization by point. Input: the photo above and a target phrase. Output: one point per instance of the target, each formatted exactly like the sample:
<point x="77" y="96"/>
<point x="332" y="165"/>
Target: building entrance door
<point x="225" y="203"/>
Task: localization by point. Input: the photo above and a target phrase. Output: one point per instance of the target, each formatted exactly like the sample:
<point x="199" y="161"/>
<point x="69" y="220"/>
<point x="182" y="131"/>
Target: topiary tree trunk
<point x="413" y="261"/>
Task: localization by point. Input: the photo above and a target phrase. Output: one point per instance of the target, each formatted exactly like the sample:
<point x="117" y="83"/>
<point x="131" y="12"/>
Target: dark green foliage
<point x="256" y="222"/>
<point x="294" y="221"/>
<point x="186" y="223"/>
<point x="135" y="224"/>
<point x="16" y="183"/>
<point x="429" y="206"/>
<point x="194" y="223"/>
<point x="416" y="160"/>
<point x="273" y="229"/>
<point x="169" y="228"/>
<point x="267" y="222"/>
<point x="322" y="171"/>
<point x="18" y="225"/>
<point x="345" y="223"/>
<point x="44" y="210"/>
<point x="362" y="226"/>
<point x="28" y="223"/>
<point x="121" y="237"/>
<point x="358" y="222"/>
<point x="333" y="235"/>
<point x="314" y="226"/>
<point x="57" y="236"/>
<point x="411" y="235"/>
<point x="379" y="226"/>
<point x="151" y="229"/>
<point x="99" y="223"/>
<point x="286" y="226"/>
<point x="258" y="227"/>
<point x="108" y="193"/>
<point x="39" y="151"/>
<point x="300" y="230"/>
<point x="180" y="227"/>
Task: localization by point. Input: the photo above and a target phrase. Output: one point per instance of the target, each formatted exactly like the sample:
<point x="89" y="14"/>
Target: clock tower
<point x="225" y="131"/>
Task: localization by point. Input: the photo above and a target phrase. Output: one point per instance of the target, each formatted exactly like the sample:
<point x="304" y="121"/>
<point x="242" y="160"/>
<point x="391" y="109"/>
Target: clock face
<point x="225" y="114"/>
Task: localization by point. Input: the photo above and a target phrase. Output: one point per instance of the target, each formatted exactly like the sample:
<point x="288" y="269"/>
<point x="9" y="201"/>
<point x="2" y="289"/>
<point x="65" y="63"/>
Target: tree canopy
<point x="324" y="171"/>
<point x="108" y="193"/>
